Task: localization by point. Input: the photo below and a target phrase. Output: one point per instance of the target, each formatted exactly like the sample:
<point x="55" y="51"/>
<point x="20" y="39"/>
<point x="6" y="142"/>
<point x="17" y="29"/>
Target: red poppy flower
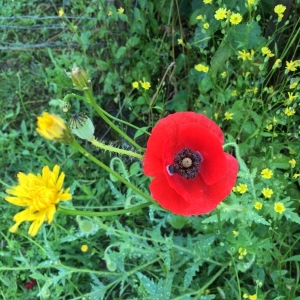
<point x="29" y="285"/>
<point x="192" y="174"/>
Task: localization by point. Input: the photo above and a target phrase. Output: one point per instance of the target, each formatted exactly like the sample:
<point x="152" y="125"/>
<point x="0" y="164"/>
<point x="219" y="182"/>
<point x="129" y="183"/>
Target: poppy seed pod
<point x="82" y="126"/>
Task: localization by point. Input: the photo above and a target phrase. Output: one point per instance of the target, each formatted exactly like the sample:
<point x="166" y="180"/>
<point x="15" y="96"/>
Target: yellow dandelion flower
<point x="228" y="116"/>
<point x="242" y="188"/>
<point x="267" y="192"/>
<point x="266" y="51"/>
<point x="279" y="207"/>
<point x="206" y="25"/>
<point x="199" y="17"/>
<point x="296" y="175"/>
<point x="234" y="93"/>
<point x="220" y="14"/>
<point x="253" y="297"/>
<point x="109" y="13"/>
<point x="250" y="2"/>
<point x="291" y="96"/>
<point x="84" y="248"/>
<point x="207" y="1"/>
<point x="53" y="127"/>
<point x="258" y="205"/>
<point x="279" y="9"/>
<point x="236" y="18"/>
<point x="245" y="296"/>
<point x="180" y="42"/>
<point x="293" y="85"/>
<point x="40" y="194"/>
<point x="61" y="12"/>
<point x="292" y="162"/>
<point x="145" y="85"/>
<point x="235" y="233"/>
<point x="121" y="10"/>
<point x="291" y="66"/>
<point x="135" y="84"/>
<point x="289" y="111"/>
<point x="266" y="173"/>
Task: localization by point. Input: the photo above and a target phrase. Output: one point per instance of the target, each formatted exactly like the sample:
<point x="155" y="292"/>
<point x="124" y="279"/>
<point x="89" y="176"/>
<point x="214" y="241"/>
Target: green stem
<point x="114" y="149"/>
<point x="91" y="99"/>
<point x="74" y="212"/>
<point x="66" y="98"/>
<point x="106" y="168"/>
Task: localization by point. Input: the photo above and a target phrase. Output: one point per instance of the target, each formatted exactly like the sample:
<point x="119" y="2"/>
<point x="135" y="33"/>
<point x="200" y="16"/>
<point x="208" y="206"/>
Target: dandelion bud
<point x="80" y="78"/>
<point x="64" y="106"/>
<point x="82" y="126"/>
<point x="53" y="127"/>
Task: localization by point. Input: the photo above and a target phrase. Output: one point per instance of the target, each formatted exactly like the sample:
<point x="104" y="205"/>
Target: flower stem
<point x="114" y="173"/>
<point x="99" y="110"/>
<point x="114" y="149"/>
<point x="74" y="212"/>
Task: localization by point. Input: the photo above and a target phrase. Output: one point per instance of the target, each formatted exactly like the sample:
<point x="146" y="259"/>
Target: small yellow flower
<point x="224" y="74"/>
<point x="121" y="10"/>
<point x="289" y="111"/>
<point x="253" y="297"/>
<point x="279" y="9"/>
<point x="266" y="51"/>
<point x="242" y="252"/>
<point x="245" y="296"/>
<point x="201" y="68"/>
<point x="61" y="12"/>
<point x="234" y="93"/>
<point x="235" y="233"/>
<point x="207" y="1"/>
<point x="228" y="116"/>
<point x="277" y="63"/>
<point x="206" y="25"/>
<point x="267" y="192"/>
<point x="269" y="127"/>
<point x="216" y="115"/>
<point x="244" y="55"/>
<point x="291" y="96"/>
<point x="199" y="17"/>
<point x="291" y="66"/>
<point x="266" y="173"/>
<point x="53" y="127"/>
<point x="279" y="207"/>
<point x="292" y="162"/>
<point x="251" y="2"/>
<point x="274" y="120"/>
<point x="145" y="85"/>
<point x="40" y="194"/>
<point x="236" y="18"/>
<point x="296" y="175"/>
<point x="135" y="84"/>
<point x="293" y="85"/>
<point x="84" y="248"/>
<point x="180" y="42"/>
<point x="242" y="188"/>
<point x="109" y="13"/>
<point x="221" y="14"/>
<point x="258" y="205"/>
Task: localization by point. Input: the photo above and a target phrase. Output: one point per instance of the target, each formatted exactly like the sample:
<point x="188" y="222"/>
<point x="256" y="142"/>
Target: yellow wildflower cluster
<point x="267" y="52"/>
<point x="242" y="252"/>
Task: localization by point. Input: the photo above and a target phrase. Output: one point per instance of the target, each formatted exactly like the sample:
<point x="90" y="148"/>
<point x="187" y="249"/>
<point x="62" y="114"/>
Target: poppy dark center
<point x="186" y="163"/>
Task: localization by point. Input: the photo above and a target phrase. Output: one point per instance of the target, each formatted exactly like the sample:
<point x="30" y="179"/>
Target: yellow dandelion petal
<point x="292" y="162"/>
<point x="267" y="192"/>
<point x="220" y="14"/>
<point x="291" y="66"/>
<point x="39" y="194"/>
<point x="121" y="10"/>
<point x="145" y="85"/>
<point x="253" y="297"/>
<point x="279" y="9"/>
<point x="228" y="116"/>
<point x="258" y="205"/>
<point x="135" y="84"/>
<point x="84" y="248"/>
<point x="207" y="1"/>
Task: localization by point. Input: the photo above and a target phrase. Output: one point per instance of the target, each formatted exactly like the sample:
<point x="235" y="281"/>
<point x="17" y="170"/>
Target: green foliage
<point x="150" y="253"/>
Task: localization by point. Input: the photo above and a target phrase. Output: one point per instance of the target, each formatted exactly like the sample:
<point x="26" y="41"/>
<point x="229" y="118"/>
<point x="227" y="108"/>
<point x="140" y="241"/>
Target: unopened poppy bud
<point x="64" y="106"/>
<point x="80" y="78"/>
<point x="82" y="126"/>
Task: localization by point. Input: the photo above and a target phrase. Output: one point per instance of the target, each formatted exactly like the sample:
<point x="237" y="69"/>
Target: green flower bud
<point x="64" y="106"/>
<point x="80" y="78"/>
<point x="82" y="126"/>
